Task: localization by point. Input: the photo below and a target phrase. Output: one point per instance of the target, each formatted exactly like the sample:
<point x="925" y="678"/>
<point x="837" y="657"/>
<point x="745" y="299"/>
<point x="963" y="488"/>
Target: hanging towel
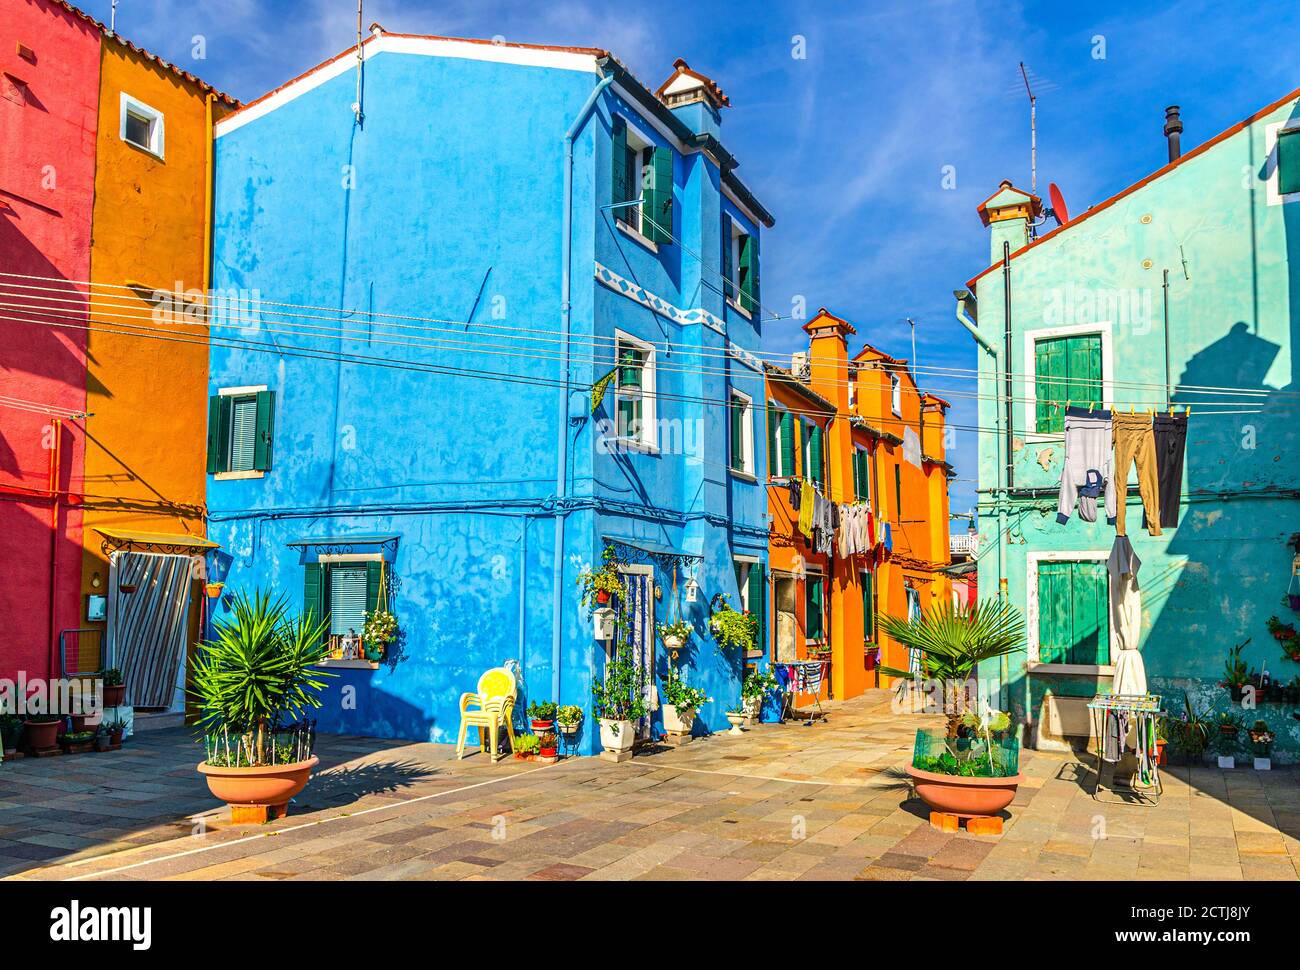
<point x="1126" y="617"/>
<point x="806" y="499"/>
<point x="889" y="538"/>
<point x="793" y="485"/>
<point x="1087" y="467"/>
<point x="871" y="529"/>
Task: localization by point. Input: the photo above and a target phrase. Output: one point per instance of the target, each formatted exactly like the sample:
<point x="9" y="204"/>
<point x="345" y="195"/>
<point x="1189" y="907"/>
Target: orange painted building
<point x="147" y="396"/>
<point x="862" y="433"/>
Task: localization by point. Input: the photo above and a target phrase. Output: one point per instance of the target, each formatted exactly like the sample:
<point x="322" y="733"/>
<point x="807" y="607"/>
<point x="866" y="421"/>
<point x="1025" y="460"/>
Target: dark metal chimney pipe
<point x="1173" y="128"/>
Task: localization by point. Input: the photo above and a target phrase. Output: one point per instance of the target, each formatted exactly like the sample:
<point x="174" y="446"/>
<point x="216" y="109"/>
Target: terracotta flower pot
<point x="542" y="727"/>
<point x="602" y="596"/>
<point x="114" y="696"/>
<point x="546" y="752"/>
<point x="42" y="735"/>
<point x="1162" y="756"/>
<point x="268" y="786"/>
<point x="964" y="797"/>
<point x="213" y="590"/>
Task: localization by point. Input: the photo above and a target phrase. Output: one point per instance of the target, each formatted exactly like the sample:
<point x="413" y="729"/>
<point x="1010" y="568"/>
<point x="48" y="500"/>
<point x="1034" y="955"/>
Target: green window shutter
<point x="813" y="607"/>
<point x="659" y="198"/>
<point x="1049" y="385"/>
<point x="214" y="435"/>
<point x="265" y="430"/>
<point x="374" y="570"/>
<point x="347" y="597"/>
<point x="898" y="492"/>
<point x="1288" y="162"/>
<point x="737" y="436"/>
<point x="757" y="602"/>
<point x="618" y="153"/>
<point x="1083" y="367"/>
<point x="868" y="609"/>
<point x="864" y="475"/>
<point x="313" y="594"/>
<point x="815" y="453"/>
<point x="748" y="271"/>
<point x="1073" y="613"/>
<point x="728" y="285"/>
<point x="787" y="443"/>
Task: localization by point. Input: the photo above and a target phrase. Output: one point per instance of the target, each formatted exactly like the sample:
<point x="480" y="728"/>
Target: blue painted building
<point x="425" y="268"/>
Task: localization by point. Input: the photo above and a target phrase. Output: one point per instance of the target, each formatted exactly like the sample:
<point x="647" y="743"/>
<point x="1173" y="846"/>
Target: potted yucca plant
<point x="252" y="682"/>
<point x="966" y="780"/>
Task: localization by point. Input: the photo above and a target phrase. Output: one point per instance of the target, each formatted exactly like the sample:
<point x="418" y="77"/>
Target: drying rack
<point x="1145" y="712"/>
<point x="796" y="682"/>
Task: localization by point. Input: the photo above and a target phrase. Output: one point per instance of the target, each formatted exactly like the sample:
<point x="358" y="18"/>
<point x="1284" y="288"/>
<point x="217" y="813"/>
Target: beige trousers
<point x="1135" y="440"/>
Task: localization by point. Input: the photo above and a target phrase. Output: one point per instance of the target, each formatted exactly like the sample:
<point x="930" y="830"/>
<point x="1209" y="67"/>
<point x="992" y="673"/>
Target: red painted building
<point x="49" y="91"/>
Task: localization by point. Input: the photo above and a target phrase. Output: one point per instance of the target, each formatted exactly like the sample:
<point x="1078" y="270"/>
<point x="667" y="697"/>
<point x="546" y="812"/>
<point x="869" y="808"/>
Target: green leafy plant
<point x="380" y="629"/>
<point x="527" y="744"/>
<point x="77" y="737"/>
<point x="11" y="728"/>
<point x="547" y="741"/>
<point x="112" y="677"/>
<point x="757" y="683"/>
<point x="260" y="671"/>
<point x="620" y="695"/>
<point x="680" y="694"/>
<point x="542" y="710"/>
<point x="606" y="579"/>
<point x="1189" y="732"/>
<point x="569" y="715"/>
<point x="1236" y="672"/>
<point x="733" y="629"/>
<point x="112" y="727"/>
<point x="954" y="641"/>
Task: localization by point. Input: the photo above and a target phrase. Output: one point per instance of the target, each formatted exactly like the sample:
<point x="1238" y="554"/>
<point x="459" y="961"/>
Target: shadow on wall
<point x="1235" y="527"/>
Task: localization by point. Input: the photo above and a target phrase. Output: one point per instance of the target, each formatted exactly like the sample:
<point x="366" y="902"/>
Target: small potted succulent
<point x="599" y="586"/>
<point x="680" y="703"/>
<point x="1262" y="739"/>
<point x="568" y="719"/>
<point x="116" y="731"/>
<point x="675" y="634"/>
<point x="1237" y="673"/>
<point x="114" y="688"/>
<point x="541" y="716"/>
<point x="1229" y="726"/>
<point x="547" y="744"/>
<point x="526" y="746"/>
<point x="733" y="629"/>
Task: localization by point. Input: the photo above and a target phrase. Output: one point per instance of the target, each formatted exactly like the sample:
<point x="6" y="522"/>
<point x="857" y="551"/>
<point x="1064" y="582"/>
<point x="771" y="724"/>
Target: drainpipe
<point x="562" y="414"/>
<point x="1006" y="360"/>
<point x="56" y="474"/>
<point x="999" y="491"/>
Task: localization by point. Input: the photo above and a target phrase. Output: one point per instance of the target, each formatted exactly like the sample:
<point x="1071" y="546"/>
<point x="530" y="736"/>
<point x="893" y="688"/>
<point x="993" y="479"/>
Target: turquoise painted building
<point x="431" y="261"/>
<point x="1182" y="290"/>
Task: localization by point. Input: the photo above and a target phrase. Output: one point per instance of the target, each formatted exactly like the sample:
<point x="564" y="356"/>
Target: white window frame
<point x="749" y="562"/>
<point x="152" y="116"/>
<point x="746" y="431"/>
<point x="1032" y="663"/>
<point x="648" y="437"/>
<point x="228" y="475"/>
<point x="1030" y="387"/>
<point x="1271" y="181"/>
<point x="896" y="393"/>
<point x="733" y="298"/>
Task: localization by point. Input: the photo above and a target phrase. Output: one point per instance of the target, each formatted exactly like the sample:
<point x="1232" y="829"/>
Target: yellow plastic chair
<point x="488" y="709"/>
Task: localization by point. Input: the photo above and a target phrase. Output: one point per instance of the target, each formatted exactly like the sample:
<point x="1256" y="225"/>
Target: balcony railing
<point x="963" y="545"/>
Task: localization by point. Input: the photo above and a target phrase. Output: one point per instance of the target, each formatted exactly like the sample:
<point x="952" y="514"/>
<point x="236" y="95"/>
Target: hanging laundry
<point x="1171" y="448"/>
<point x="871" y="529"/>
<point x="889" y="538"/>
<point x="844" y="534"/>
<point x="1087" y="467"/>
<point x="861" y="528"/>
<point x="792" y="484"/>
<point x="1126" y="617"/>
<point x="1135" y="441"/>
<point x="806" y="496"/>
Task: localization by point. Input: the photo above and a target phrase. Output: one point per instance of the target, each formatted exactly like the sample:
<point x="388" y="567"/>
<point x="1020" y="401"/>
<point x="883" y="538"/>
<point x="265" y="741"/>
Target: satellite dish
<point x="1059" y="211"/>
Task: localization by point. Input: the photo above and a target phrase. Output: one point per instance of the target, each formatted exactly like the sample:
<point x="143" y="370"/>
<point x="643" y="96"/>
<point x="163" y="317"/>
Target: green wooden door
<point x="1073" y="613"/>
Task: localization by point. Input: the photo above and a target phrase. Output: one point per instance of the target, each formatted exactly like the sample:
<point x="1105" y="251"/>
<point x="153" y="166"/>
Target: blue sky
<point x="847" y="145"/>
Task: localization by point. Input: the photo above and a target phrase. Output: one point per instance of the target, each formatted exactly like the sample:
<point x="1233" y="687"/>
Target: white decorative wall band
<point x="657" y="304"/>
<point x="745" y="357"/>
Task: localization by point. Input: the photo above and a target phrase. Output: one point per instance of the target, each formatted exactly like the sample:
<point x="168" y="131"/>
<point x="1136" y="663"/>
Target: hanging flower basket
<point x="127" y="587"/>
<point x="213" y="589"/>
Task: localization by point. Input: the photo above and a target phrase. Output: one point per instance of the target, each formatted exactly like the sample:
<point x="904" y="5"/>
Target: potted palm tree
<point x="252" y="682"/>
<point x="964" y="779"/>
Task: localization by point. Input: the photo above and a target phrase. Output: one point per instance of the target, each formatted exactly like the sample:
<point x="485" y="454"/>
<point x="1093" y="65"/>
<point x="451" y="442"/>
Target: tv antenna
<point x="1033" y="131"/>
